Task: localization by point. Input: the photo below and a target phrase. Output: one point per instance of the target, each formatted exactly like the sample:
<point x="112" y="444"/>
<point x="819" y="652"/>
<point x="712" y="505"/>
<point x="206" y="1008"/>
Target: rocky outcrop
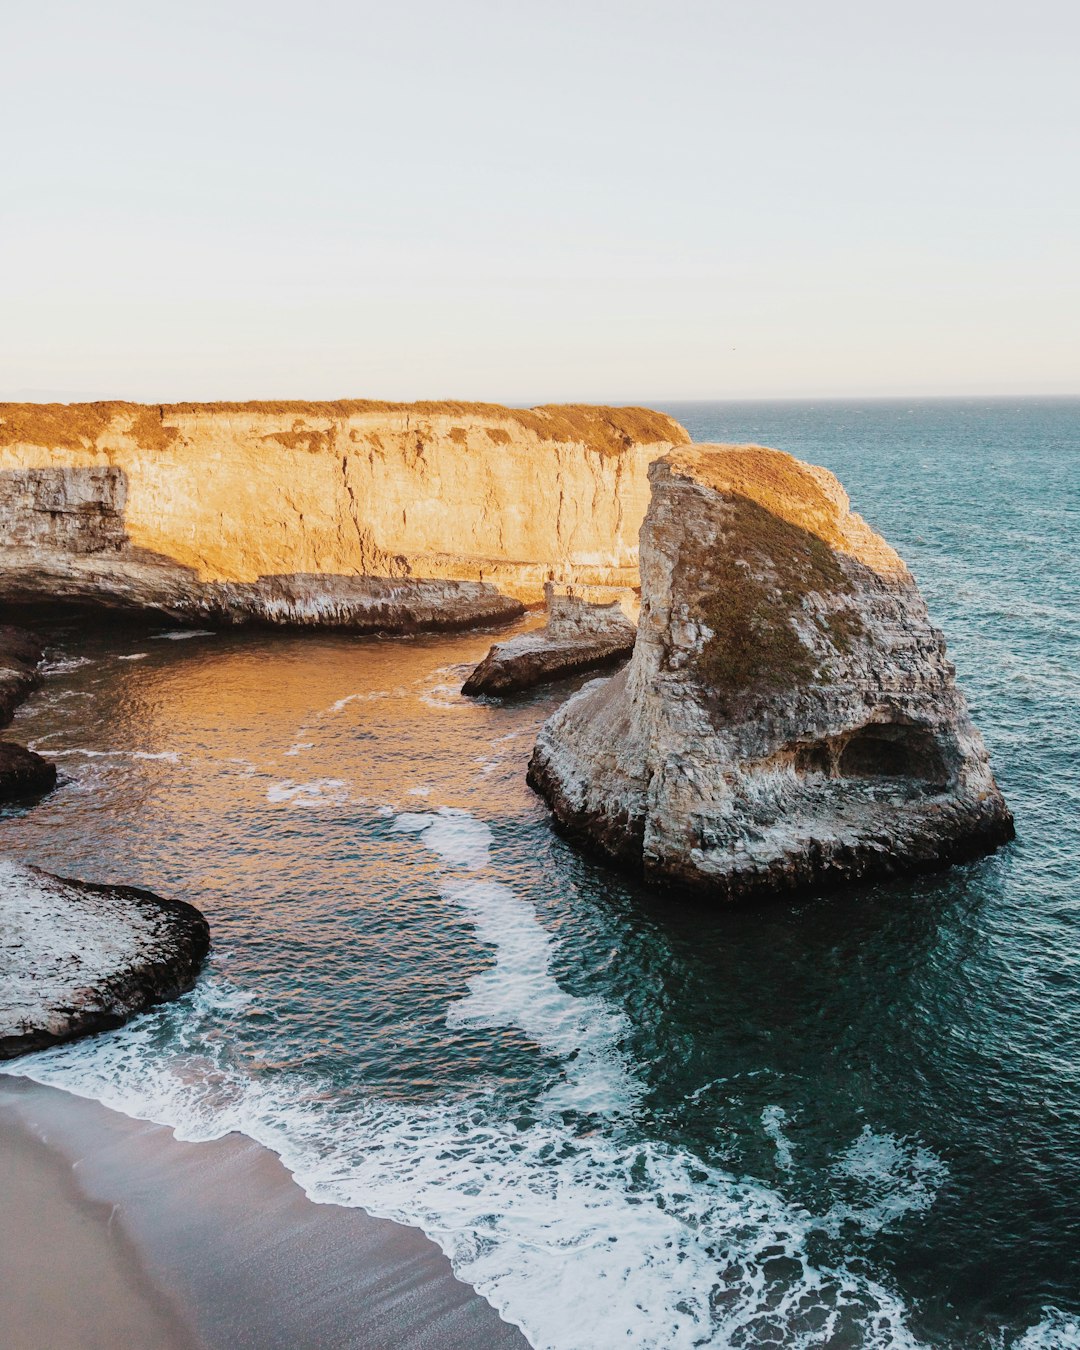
<point x="789" y="719"/>
<point x="587" y="629"/>
<point x="356" y="514"/>
<point x="77" y="958"/>
<point x="24" y="775"/>
<point x="20" y="655"/>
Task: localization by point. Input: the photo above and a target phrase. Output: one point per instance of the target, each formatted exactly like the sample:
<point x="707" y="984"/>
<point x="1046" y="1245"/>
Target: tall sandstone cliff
<point x="360" y="513"/>
<point x="789" y="718"/>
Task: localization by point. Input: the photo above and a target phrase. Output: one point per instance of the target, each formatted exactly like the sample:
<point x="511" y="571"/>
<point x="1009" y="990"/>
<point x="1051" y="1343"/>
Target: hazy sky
<point x="538" y="201"/>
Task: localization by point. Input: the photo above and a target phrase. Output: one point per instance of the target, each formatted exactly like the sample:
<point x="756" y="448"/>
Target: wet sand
<point x="114" y="1234"/>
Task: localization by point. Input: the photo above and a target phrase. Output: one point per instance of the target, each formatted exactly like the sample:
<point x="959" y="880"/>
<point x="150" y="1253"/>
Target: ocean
<point x="629" y="1119"/>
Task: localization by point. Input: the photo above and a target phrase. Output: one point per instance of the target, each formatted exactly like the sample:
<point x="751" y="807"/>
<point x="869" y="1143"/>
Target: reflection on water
<point x="630" y="1120"/>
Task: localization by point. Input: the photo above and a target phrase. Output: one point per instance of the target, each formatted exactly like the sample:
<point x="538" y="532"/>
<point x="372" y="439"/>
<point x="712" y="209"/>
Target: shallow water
<point x="630" y="1121"/>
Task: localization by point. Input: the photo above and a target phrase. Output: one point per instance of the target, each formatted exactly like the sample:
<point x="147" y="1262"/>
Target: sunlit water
<point x="630" y="1121"/>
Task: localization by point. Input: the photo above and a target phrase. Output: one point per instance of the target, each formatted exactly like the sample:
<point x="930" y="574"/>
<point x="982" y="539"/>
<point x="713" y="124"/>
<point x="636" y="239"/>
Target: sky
<point x="535" y="202"/>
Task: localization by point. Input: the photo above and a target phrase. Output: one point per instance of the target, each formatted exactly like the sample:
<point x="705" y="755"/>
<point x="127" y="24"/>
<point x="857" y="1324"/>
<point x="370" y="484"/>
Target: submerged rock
<point x="77" y="958"/>
<point x="581" y="634"/>
<point x="789" y="718"/>
<point x="24" y="775"/>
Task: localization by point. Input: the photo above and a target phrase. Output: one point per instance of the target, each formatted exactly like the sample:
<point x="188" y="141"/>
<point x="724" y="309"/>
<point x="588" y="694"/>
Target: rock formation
<point x="77" y="958"/>
<point x="789" y="718"/>
<point x="586" y="629"/>
<point x="359" y="514"/>
<point x="24" y="775"/>
<point x="20" y="655"/>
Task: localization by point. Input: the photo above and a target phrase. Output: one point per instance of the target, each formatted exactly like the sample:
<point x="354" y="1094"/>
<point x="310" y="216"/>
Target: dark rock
<point x="77" y="957"/>
<point x="24" y="775"/>
<point x="20" y="653"/>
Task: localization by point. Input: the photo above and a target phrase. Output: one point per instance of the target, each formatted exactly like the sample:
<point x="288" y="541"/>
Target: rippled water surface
<point x="630" y="1121"/>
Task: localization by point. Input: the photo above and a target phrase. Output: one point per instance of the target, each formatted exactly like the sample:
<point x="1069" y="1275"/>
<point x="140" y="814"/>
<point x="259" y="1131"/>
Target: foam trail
<point x="888" y="1178"/>
<point x="576" y="1227"/>
<point x="1057" y="1331"/>
<point x="587" y="1243"/>
<point x="519" y="989"/>
<point x="773" y="1120"/>
<point x="320" y="791"/>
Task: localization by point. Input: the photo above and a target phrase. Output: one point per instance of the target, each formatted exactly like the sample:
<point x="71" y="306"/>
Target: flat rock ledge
<point x="587" y="629"/>
<point x="789" y="720"/>
<point x="78" y="958"/>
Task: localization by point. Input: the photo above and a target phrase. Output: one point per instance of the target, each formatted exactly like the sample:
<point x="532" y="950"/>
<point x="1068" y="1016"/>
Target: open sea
<point x="630" y="1120"/>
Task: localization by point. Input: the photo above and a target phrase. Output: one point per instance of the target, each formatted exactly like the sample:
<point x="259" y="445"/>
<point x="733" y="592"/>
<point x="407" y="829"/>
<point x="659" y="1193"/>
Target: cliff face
<point x="789" y="717"/>
<point x="360" y="513"/>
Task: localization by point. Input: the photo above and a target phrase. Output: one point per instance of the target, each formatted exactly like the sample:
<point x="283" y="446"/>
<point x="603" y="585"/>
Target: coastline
<point x="205" y="1246"/>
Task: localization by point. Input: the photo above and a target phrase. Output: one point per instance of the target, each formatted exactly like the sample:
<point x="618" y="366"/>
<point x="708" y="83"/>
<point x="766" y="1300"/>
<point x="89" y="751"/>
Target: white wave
<point x="182" y="634"/>
<point x="773" y="1120"/>
<point x="170" y="756"/>
<point x="368" y="696"/>
<point x="333" y="791"/>
<point x="299" y="747"/>
<point x="888" y="1177"/>
<point x="134" y="656"/>
<point x="62" y="664"/>
<point x="1057" y="1331"/>
<point x="587" y="1237"/>
<point x="519" y="990"/>
<point x="587" y="1243"/>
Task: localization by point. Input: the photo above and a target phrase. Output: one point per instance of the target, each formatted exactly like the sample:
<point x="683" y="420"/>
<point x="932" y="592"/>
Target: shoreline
<point x="112" y="1227"/>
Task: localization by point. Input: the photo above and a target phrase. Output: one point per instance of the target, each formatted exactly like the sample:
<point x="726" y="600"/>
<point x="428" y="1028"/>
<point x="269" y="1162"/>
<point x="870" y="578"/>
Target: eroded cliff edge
<point x="362" y="514"/>
<point x="789" y="718"/>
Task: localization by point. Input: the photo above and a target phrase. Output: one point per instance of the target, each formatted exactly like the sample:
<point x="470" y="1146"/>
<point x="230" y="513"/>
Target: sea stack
<point x="789" y="719"/>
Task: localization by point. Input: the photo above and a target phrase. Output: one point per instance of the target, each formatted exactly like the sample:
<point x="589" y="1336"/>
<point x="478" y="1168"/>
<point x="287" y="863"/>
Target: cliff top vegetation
<point x="77" y="425"/>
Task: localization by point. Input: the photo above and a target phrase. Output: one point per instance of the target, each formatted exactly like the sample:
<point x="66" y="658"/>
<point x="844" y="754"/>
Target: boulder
<point x="24" y="776"/>
<point x="20" y="653"/>
<point x="789" y="719"/>
<point x="586" y="630"/>
<point x="77" y="957"/>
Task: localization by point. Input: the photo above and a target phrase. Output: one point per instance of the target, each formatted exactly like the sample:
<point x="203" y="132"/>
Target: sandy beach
<point x="115" y="1235"/>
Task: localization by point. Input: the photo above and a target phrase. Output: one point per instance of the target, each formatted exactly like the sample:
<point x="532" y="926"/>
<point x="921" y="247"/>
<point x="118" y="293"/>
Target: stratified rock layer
<point x="352" y="514"/>
<point x="789" y="718"/>
<point x="581" y="634"/>
<point x="77" y="958"/>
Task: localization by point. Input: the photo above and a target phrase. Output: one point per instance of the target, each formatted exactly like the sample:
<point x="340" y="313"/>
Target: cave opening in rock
<point x="891" y="750"/>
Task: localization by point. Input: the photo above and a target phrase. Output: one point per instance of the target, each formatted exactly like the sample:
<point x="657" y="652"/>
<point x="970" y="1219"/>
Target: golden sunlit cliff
<point x="363" y="513"/>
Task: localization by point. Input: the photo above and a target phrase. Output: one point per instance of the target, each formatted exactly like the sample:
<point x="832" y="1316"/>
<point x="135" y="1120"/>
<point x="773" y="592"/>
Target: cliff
<point x="789" y="718"/>
<point x="360" y="513"/>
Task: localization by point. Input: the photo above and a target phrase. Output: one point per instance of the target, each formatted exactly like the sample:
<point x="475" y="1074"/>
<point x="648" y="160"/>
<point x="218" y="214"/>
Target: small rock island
<point x="789" y="719"/>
